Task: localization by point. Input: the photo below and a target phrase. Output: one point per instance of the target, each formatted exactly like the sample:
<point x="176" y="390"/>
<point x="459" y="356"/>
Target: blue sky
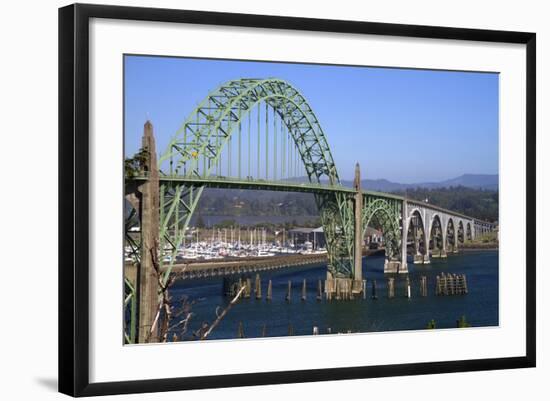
<point x="402" y="125"/>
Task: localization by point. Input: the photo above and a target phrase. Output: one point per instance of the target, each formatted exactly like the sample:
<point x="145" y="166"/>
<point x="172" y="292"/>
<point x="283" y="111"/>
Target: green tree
<point x="136" y="164"/>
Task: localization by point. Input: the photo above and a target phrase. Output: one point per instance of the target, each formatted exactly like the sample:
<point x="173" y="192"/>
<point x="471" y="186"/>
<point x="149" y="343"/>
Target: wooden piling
<point x="408" y="287"/>
<point x="319" y="290"/>
<point x="289" y="291"/>
<point x="264" y="330"/>
<point x="225" y="286"/>
<point x="269" y="291"/>
<point x="248" y="288"/>
<point x="423" y="286"/>
<point x="374" y="296"/>
<point x="290" y="329"/>
<point x="258" y="286"/>
<point x="364" y="290"/>
<point x="451" y="284"/>
<point x="240" y="332"/>
<point x="391" y="287"/>
<point x="457" y="284"/>
<point x="304" y="290"/>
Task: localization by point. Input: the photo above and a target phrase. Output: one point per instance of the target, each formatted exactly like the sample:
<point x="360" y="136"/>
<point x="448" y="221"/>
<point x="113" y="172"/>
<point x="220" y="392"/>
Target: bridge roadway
<point x="289" y="186"/>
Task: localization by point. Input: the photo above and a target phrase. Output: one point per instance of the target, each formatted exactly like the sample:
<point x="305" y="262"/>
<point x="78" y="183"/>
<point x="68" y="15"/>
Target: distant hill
<point x="473" y="194"/>
<point x="474" y="181"/>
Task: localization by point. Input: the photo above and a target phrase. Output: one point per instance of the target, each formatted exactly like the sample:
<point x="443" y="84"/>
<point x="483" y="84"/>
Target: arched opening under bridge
<point x="417" y="243"/>
<point x="468" y="231"/>
<point x="451" y="237"/>
<point x="460" y="233"/>
<point x="383" y="216"/>
<point x="437" y="244"/>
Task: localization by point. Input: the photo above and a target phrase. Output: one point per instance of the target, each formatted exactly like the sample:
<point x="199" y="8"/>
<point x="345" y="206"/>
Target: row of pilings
<point x="451" y="284"/>
<point x="346" y="289"/>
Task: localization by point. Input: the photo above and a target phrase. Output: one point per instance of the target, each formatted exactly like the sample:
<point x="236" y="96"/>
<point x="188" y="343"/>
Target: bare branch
<point x="221" y="316"/>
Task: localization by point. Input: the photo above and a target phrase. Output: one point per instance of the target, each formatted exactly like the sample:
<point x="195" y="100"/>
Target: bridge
<point x="262" y="134"/>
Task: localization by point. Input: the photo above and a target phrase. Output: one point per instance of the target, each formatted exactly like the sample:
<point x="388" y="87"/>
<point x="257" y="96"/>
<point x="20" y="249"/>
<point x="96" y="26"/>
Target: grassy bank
<point x="485" y="241"/>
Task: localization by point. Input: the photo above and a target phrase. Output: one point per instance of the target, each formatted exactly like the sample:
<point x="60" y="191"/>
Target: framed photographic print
<point x="249" y="199"/>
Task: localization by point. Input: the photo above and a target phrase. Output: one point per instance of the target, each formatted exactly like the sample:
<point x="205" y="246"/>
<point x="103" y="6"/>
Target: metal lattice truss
<point x="384" y="214"/>
<point x="196" y="148"/>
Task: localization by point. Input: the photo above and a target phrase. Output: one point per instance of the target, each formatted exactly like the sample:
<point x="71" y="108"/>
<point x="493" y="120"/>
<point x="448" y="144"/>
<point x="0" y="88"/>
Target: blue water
<point x="479" y="306"/>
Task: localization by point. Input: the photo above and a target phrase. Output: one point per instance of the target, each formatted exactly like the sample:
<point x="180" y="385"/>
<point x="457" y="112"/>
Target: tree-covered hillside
<point x="478" y="203"/>
<point x="481" y="204"/>
<point x="256" y="203"/>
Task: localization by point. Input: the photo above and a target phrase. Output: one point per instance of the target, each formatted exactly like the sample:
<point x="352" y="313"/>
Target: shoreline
<point x="477" y="248"/>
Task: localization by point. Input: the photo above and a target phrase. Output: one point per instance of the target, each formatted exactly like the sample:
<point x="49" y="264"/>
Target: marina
<point x="229" y="244"/>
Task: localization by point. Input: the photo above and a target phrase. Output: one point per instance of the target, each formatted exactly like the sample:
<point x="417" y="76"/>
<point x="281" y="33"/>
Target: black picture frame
<point x="74" y="198"/>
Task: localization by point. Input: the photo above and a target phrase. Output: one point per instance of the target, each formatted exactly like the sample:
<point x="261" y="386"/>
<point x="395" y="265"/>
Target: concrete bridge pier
<point x="402" y="267"/>
<point x="358" y="225"/>
<point x="418" y="258"/>
<point x="396" y="265"/>
<point x="342" y="288"/>
<point x="145" y="199"/>
<point x="443" y="252"/>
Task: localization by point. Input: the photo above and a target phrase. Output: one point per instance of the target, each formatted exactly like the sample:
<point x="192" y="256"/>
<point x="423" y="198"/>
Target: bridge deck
<point x="289" y="186"/>
<point x="286" y="186"/>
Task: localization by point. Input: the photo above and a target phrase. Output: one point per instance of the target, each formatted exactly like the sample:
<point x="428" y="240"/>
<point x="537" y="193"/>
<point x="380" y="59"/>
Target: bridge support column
<point x="398" y="263"/>
<point x="358" y="243"/>
<point x="392" y="266"/>
<point x="418" y="258"/>
<point x="147" y="195"/>
<point x="403" y="266"/>
<point x="444" y="245"/>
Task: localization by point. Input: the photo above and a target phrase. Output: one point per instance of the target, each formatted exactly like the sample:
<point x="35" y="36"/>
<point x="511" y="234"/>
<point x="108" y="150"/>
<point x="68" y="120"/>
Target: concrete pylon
<point x="402" y="268"/>
<point x="358" y="213"/>
<point x="148" y="193"/>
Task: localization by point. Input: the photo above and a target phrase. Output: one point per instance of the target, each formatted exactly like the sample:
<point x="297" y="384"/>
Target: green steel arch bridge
<point x="262" y="134"/>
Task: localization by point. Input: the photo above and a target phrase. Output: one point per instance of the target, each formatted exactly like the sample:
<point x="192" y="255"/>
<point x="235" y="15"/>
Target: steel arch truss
<point x="196" y="148"/>
<point x="384" y="213"/>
